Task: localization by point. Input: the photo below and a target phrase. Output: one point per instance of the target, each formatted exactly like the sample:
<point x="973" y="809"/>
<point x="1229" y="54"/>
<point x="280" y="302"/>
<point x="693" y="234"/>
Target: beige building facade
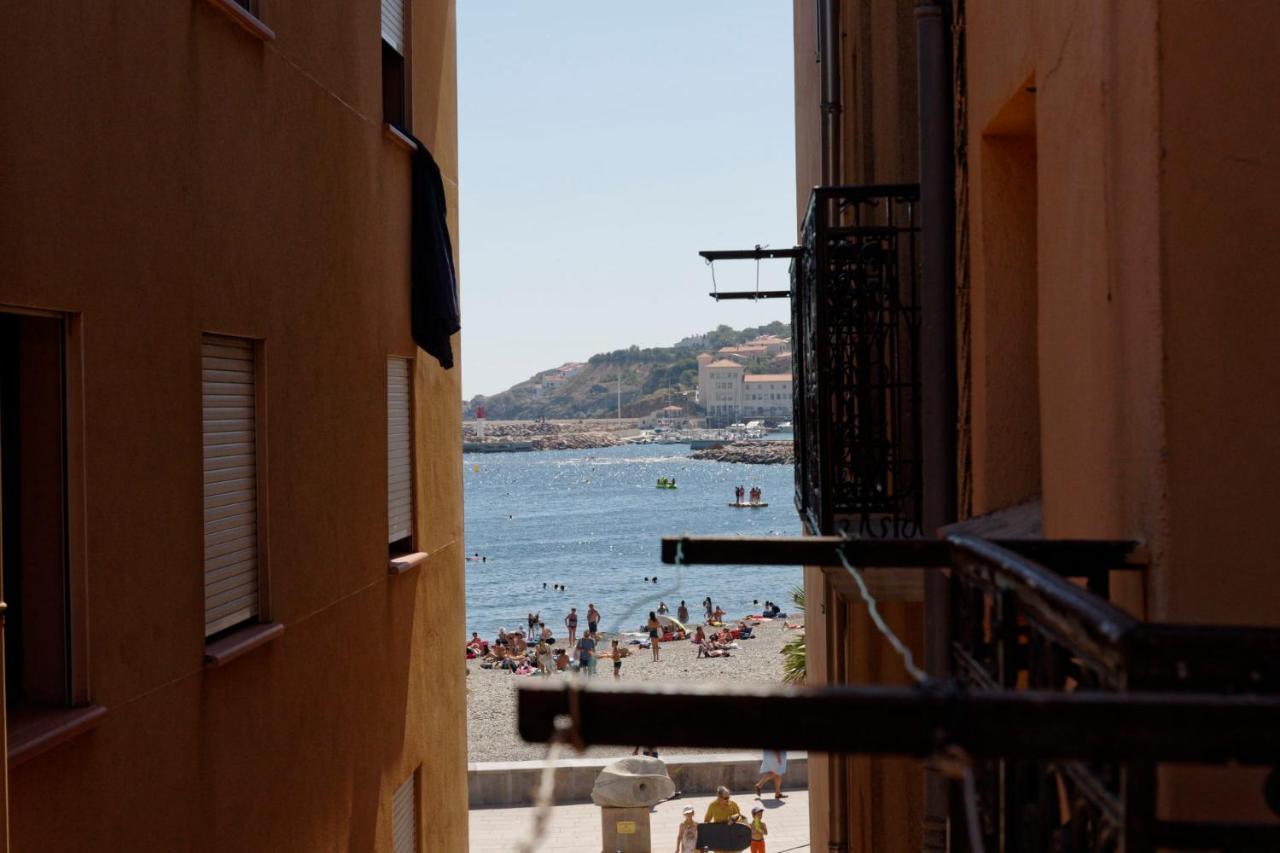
<point x="767" y="395"/>
<point x="231" y="507"/>
<point x="1113" y="353"/>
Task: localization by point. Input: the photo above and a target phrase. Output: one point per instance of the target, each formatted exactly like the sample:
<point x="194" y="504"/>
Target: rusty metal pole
<point x="837" y="639"/>
<point x="837" y="763"/>
<point x="831" y="107"/>
<point x="938" y="349"/>
<point x="4" y="698"/>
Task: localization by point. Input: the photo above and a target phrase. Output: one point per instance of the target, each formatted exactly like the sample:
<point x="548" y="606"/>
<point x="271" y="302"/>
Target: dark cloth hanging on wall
<point x="433" y="280"/>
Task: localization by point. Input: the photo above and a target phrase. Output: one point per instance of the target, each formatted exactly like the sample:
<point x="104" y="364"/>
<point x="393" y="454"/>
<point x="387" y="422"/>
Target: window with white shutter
<point x="400" y="455"/>
<point x="404" y="816"/>
<point x="393" y="24"/>
<point x="229" y="407"/>
<point x="395" y="82"/>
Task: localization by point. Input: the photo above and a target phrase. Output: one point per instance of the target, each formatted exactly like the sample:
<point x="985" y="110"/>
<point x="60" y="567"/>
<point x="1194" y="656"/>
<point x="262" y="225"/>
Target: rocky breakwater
<point x="750" y="452"/>
<point x="542" y="436"/>
<point x="575" y="441"/>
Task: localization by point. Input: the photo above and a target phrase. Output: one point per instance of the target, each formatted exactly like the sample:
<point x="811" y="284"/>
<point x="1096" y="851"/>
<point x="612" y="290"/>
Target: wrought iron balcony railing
<point x="855" y="328"/>
<point x="1065" y="703"/>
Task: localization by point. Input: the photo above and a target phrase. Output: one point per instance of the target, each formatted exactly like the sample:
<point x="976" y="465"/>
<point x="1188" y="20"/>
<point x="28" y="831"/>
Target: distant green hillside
<point x="651" y="378"/>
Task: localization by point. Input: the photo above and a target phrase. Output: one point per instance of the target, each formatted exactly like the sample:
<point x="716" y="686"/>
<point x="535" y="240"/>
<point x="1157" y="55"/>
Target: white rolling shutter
<point x="230" y="483"/>
<point x="404" y="817"/>
<point x="399" y="449"/>
<point x="393" y="24"/>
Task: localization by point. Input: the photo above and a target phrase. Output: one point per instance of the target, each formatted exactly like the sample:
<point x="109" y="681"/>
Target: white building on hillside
<point x="728" y="393"/>
<point x="767" y="395"/>
<point x="722" y="392"/>
<point x="771" y="343"/>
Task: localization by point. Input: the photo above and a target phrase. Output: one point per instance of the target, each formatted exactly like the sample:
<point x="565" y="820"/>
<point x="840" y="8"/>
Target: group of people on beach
<point x="533" y="648"/>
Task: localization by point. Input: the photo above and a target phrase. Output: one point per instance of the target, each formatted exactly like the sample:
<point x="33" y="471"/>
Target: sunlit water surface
<point x="592" y="520"/>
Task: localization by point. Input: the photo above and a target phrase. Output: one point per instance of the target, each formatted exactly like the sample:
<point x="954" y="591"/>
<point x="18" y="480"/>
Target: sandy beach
<point x="491" y="724"/>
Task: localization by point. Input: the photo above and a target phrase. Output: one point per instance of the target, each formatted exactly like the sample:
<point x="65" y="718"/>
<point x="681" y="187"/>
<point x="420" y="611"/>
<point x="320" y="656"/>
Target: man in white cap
<point x="687" y="833"/>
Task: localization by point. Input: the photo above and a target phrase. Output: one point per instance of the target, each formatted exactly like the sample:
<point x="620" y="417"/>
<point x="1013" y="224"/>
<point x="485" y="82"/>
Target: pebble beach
<point x="491" y="714"/>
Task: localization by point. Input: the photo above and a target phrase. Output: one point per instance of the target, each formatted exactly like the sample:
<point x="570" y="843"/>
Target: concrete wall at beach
<point x="515" y="783"/>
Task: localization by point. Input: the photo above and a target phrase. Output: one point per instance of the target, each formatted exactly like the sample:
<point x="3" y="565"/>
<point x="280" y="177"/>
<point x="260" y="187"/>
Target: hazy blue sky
<point x="602" y="145"/>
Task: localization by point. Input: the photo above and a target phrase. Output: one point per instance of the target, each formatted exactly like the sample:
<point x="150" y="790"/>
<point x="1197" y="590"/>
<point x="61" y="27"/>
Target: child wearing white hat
<point x="687" y="833"/>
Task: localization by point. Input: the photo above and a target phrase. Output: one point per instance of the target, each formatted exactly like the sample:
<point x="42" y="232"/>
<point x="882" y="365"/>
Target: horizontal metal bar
<point x="882" y="720"/>
<point x="1072" y="558"/>
<point x="1191" y="835"/>
<point x="865" y="192"/>
<point x="752" y="294"/>
<point x="806" y="551"/>
<point x="756" y="254"/>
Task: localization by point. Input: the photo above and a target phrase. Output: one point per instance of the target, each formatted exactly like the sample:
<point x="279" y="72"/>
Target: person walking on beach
<point x="533" y="621"/>
<point x="687" y="833"/>
<point x="772" y="768"/>
<point x="655" y="632"/>
<point x="571" y="622"/>
<point x="682" y="613"/>
<point x="586" y="654"/>
<point x="544" y="658"/>
<point x="593" y="618"/>
<point x="617" y="661"/>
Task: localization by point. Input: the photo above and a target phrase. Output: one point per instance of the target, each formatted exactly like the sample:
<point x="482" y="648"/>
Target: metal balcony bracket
<point x="751" y="294"/>
<point x="1032" y="725"/>
<point x="1068" y="557"/>
<point x="759" y="253"/>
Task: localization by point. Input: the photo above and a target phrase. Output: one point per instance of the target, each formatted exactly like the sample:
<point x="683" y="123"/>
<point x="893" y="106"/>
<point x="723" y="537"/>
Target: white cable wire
<point x="543" y="802"/>
<point x="908" y="659"/>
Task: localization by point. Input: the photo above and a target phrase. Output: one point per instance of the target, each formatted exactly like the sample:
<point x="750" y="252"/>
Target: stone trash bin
<point x="625" y="791"/>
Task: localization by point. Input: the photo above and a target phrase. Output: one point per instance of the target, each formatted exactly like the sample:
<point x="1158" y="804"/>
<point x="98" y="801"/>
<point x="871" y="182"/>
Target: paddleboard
<point x="724" y="836"/>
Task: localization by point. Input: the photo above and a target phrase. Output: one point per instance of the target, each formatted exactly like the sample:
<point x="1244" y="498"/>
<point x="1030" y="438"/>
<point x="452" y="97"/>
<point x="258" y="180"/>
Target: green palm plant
<point x="793" y="652"/>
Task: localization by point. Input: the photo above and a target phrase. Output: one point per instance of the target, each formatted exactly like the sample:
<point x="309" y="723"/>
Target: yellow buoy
<point x="475" y="469"/>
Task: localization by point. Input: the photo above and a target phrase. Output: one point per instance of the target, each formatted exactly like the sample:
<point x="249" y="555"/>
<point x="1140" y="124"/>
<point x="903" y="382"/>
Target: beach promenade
<point x="576" y="828"/>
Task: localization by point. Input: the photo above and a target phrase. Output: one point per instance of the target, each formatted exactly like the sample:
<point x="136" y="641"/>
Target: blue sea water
<point x="593" y="520"/>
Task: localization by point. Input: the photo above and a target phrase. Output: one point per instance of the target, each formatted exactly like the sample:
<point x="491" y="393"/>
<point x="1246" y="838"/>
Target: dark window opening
<point x="33" y="512"/>
<point x="250" y="6"/>
<point x="400" y="547"/>
<point x="394" y="102"/>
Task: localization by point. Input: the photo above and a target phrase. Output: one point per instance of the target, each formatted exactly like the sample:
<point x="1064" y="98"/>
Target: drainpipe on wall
<point x="4" y="735"/>
<point x="838" y="764"/>
<point x="937" y="348"/>
<point x="829" y="56"/>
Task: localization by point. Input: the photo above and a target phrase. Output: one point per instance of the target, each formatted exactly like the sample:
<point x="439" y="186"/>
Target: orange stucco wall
<point x="1155" y="187"/>
<point x="167" y="174"/>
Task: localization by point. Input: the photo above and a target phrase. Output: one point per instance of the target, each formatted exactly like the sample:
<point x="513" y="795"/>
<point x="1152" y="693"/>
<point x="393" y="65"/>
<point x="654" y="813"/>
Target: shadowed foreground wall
<point x="163" y="173"/>
<point x="1155" y="187"/>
